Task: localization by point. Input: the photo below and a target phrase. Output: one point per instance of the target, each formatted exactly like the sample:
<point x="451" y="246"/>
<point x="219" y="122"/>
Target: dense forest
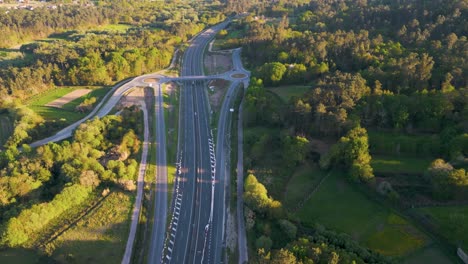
<point x="383" y="78"/>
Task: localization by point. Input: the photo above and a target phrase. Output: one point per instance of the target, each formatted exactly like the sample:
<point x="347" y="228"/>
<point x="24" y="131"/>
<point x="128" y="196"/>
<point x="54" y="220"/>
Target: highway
<point x="195" y="233"/>
<point x="188" y="234"/>
<point x="160" y="199"/>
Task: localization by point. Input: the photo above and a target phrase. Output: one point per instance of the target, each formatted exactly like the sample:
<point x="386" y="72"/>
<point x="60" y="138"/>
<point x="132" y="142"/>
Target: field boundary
<point x="309" y="196"/>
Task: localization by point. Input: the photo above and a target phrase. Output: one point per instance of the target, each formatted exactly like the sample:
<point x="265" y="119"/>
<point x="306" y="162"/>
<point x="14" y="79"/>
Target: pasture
<point x="451" y="222"/>
<point x="288" y="91"/>
<point x="339" y="206"/>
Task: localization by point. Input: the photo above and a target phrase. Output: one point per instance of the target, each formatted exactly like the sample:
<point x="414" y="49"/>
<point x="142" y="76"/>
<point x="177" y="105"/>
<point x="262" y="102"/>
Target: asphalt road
<point x="160" y="203"/>
<point x="188" y="233"/>
<point x="140" y="181"/>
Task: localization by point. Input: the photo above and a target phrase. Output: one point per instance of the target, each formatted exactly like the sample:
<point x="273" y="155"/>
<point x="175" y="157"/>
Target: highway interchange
<point x="195" y="232"/>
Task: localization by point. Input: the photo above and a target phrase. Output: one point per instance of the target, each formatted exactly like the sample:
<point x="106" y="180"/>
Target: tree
<point x="288" y="228"/>
<point x="263" y="242"/>
<point x="295" y="150"/>
<point x="272" y="73"/>
<point x="445" y="179"/>
<point x="284" y="256"/>
<point x="256" y="197"/>
<point x="352" y="153"/>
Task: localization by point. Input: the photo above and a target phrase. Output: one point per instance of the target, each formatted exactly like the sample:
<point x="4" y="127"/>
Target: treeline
<point x="39" y="185"/>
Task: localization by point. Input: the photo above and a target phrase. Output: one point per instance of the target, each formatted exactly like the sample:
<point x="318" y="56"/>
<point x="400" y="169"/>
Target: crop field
<point x="339" y="206"/>
<point x="286" y="92"/>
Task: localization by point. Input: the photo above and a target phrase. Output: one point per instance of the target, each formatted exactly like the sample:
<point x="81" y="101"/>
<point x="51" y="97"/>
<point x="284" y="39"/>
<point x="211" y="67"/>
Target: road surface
<point x="140" y="181"/>
<point x="188" y="233"/>
<point x="160" y="203"/>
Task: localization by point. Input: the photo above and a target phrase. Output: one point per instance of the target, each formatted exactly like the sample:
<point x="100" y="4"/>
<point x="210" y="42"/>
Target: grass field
<point x="338" y="206"/>
<point x="428" y="255"/>
<point x="388" y="164"/>
<point x="99" y="237"/>
<point x="286" y="92"/>
<point x="302" y="182"/>
<point x="451" y="222"/>
<point x="121" y="28"/>
<point x="21" y="256"/>
<point x="67" y="112"/>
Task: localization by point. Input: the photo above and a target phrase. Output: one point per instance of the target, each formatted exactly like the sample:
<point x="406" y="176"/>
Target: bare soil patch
<point x="217" y="63"/>
<point x="134" y="97"/>
<point x="217" y="91"/>
<point x="151" y="80"/>
<point x="58" y="103"/>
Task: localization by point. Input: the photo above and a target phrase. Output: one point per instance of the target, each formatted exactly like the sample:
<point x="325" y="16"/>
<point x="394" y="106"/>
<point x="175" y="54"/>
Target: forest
<point x="383" y="103"/>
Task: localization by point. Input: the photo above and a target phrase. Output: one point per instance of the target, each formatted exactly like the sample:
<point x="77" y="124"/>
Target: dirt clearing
<point x="217" y="63"/>
<point x="217" y="90"/>
<point x="68" y="98"/>
<point x="133" y="97"/>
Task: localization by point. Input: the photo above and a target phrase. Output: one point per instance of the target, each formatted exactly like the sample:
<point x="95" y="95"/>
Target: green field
<point x="451" y="222"/>
<point x="388" y="164"/>
<point x="393" y="143"/>
<point x="99" y="237"/>
<point x="67" y="112"/>
<point x="121" y="28"/>
<point x="286" y="92"/>
<point x="21" y="256"/>
<point x="428" y="255"/>
<point x="302" y="182"/>
<point x="339" y="206"/>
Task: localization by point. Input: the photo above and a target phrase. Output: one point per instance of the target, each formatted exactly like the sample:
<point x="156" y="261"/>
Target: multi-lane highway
<point x="189" y="236"/>
<point x="195" y="233"/>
